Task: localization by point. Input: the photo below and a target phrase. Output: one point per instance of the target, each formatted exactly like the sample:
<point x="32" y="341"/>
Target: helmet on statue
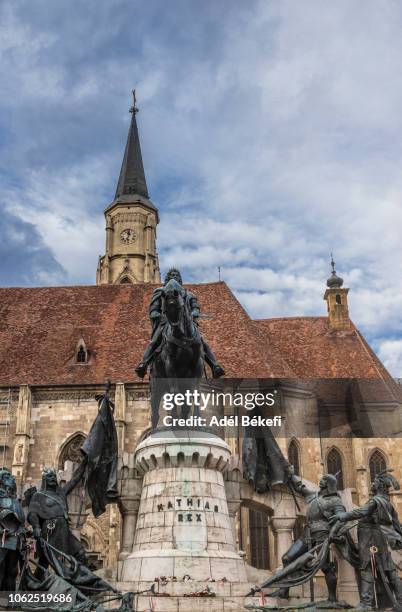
<point x="329" y="482"/>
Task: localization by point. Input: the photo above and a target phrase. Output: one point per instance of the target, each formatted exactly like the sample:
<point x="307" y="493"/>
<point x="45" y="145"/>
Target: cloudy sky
<point x="271" y="134"/>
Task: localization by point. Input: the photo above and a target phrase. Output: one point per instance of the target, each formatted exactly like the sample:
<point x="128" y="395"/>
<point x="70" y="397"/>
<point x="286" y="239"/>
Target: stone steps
<point x="229" y="597"/>
<point x="193" y="604"/>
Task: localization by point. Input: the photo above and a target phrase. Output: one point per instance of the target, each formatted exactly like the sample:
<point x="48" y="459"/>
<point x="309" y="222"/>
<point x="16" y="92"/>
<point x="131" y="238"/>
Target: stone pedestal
<point x="183" y="526"/>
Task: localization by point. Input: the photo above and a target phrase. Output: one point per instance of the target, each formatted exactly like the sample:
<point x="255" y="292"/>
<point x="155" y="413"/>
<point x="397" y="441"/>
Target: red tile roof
<point x="40" y="329"/>
<point x="313" y="350"/>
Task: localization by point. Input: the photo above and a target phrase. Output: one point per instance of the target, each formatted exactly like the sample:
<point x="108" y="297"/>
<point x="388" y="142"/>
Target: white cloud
<point x="390" y="353"/>
<point x="270" y="138"/>
<point x="59" y="207"/>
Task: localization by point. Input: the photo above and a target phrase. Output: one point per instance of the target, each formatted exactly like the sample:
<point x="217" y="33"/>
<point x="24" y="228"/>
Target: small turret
<point x="336" y="297"/>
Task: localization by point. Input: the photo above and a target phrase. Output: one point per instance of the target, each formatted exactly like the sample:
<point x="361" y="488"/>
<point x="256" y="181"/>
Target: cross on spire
<point x="134" y="108"/>
<point x="334" y="280"/>
<point x="333" y="264"/>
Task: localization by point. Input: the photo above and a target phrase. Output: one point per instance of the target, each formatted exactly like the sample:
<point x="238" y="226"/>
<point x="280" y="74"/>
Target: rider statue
<point x="12" y="531"/>
<point x="48" y="515"/>
<point x="321" y="506"/>
<point x="378" y="530"/>
<point x="159" y="320"/>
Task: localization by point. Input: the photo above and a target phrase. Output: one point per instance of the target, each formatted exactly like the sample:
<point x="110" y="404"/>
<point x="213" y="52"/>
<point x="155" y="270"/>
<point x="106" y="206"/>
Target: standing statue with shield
<point x="48" y="515"/>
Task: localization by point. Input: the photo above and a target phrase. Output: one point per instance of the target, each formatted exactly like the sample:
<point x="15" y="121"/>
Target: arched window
<point x="81" y="354"/>
<point x="81" y="351"/>
<point x="294" y="456"/>
<point x="338" y="299"/>
<point x="334" y="466"/>
<point x="125" y="281"/>
<point x="71" y="450"/>
<point x="259" y="538"/>
<point x="377" y="464"/>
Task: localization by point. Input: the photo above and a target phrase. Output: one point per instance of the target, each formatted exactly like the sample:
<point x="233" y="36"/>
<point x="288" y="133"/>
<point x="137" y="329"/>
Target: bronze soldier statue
<point x="48" y="515"/>
<point x="12" y="531"/>
<point x="378" y="530"/>
<point x="321" y="506"/>
<point x="159" y="322"/>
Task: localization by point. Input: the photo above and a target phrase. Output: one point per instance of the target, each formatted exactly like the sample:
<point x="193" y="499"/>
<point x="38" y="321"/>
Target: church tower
<point x="131" y="221"/>
<point x="336" y="297"/>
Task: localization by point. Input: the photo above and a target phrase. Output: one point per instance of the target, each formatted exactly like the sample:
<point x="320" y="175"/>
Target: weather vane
<point x="332" y="262"/>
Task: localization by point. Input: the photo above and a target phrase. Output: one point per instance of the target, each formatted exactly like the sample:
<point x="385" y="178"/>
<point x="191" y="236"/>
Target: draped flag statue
<point x="100" y="452"/>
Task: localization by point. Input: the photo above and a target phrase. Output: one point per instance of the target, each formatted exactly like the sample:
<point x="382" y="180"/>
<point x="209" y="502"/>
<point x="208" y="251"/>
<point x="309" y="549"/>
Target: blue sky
<point x="271" y="134"/>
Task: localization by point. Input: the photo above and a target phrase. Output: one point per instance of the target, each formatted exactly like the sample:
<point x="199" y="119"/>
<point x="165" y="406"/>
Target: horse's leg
<point x="198" y="372"/>
<point x="157" y="391"/>
<point x="183" y="386"/>
<point x="155" y="401"/>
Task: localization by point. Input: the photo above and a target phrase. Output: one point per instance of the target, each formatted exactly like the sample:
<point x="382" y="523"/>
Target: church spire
<point x="132" y="176"/>
<point x="131" y="219"/>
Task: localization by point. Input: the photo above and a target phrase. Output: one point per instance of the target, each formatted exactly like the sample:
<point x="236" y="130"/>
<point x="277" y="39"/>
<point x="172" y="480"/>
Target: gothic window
<point x="125" y="281"/>
<point x="259" y="539"/>
<point x="338" y="299"/>
<point x="334" y="466"/>
<point x="81" y="351"/>
<point x="81" y="354"/>
<point x="377" y="464"/>
<point x="294" y="456"/>
<point x="71" y="451"/>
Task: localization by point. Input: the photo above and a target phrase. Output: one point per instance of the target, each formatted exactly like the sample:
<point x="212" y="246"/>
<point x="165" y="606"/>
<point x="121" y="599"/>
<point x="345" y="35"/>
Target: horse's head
<point x="172" y="293"/>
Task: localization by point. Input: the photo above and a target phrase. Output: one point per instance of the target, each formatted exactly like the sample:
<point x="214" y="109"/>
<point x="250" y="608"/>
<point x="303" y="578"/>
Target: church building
<point x="59" y="346"/>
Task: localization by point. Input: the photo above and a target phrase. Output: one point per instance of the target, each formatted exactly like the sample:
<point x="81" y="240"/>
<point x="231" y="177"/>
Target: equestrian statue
<point x="177" y="349"/>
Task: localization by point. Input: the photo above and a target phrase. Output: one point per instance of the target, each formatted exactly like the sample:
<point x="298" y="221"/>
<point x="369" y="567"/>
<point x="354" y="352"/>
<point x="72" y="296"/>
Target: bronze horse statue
<point x="180" y="355"/>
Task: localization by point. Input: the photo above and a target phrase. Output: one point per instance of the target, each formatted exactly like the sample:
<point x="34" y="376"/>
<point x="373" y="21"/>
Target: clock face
<point x="127" y="236"/>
